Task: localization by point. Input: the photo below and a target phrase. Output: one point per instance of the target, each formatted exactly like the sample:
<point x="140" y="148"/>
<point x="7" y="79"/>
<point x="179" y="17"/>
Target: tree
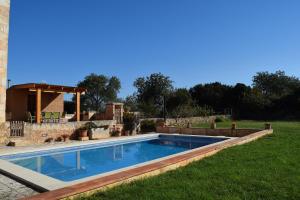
<point x="287" y="107"/>
<point x="150" y="92"/>
<point x="179" y="103"/>
<point x="214" y="95"/>
<point x="275" y="85"/>
<point x="236" y="97"/>
<point x="252" y="106"/>
<point x="131" y="103"/>
<point x="238" y="93"/>
<point x="69" y="106"/>
<point x="100" y="90"/>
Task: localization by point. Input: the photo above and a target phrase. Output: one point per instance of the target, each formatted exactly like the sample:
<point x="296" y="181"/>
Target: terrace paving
<point x="10" y="189"/>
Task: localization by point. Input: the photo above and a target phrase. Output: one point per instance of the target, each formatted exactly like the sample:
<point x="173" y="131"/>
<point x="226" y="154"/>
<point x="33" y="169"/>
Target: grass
<point x="268" y="168"/>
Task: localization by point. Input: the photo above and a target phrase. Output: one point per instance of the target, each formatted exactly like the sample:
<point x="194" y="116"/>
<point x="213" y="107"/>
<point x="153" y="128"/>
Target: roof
<point x="49" y="88"/>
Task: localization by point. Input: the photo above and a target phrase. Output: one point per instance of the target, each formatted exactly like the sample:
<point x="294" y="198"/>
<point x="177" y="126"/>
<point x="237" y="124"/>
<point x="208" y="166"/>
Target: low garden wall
<point x="206" y="131"/>
<point x="193" y="120"/>
<point x="39" y="133"/>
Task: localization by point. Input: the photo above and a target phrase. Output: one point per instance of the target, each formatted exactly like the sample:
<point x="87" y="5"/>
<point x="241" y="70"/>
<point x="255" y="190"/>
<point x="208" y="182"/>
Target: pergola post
<point x="78" y="106"/>
<point x="38" y="105"/>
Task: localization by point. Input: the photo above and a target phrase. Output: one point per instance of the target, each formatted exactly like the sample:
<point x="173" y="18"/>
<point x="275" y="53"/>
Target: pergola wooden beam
<point x="78" y="106"/>
<point x="49" y="88"/>
<point x="38" y="105"/>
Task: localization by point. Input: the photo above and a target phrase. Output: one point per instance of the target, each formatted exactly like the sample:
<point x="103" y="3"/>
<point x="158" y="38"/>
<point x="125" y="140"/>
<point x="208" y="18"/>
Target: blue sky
<point x="192" y="41"/>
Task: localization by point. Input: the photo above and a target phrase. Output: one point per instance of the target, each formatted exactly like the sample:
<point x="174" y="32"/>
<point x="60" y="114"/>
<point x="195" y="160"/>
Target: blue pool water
<point x="70" y="164"/>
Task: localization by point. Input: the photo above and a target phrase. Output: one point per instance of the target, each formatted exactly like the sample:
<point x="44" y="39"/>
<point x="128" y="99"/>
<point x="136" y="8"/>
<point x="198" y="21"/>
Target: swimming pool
<point x="74" y="163"/>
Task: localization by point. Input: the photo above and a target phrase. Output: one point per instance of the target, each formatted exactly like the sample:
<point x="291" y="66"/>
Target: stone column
<point x="4" y="26"/>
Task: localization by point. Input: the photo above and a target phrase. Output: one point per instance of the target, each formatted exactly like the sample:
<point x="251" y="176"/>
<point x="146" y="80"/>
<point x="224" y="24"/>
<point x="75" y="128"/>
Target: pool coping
<point x="66" y="145"/>
<point x="150" y="168"/>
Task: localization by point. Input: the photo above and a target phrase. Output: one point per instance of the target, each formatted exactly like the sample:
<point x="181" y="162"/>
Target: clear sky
<point x="192" y="41"/>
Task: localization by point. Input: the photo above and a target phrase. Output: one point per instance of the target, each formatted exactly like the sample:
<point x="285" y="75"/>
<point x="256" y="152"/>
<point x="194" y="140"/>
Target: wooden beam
<point x="54" y="88"/>
<point x="38" y="105"/>
<point x="78" y="106"/>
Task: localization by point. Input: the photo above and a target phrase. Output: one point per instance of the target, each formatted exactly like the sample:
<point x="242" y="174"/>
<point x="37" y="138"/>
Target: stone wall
<point x="193" y="120"/>
<point x="206" y="131"/>
<point x="4" y="26"/>
<point x="4" y="132"/>
<point x="185" y="121"/>
<point x="37" y="134"/>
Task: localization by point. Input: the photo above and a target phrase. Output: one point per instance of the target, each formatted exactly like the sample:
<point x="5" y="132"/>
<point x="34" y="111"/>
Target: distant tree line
<point x="271" y="96"/>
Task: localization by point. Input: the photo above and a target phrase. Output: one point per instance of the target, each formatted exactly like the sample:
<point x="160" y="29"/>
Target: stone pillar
<point x="233" y="126"/>
<point x="268" y="126"/>
<point x="4" y="26"/>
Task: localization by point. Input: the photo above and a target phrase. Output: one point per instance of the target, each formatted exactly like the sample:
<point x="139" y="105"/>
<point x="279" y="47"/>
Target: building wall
<point x="16" y="104"/>
<point x="109" y="111"/>
<point x="52" y="102"/>
<point x="4" y="26"/>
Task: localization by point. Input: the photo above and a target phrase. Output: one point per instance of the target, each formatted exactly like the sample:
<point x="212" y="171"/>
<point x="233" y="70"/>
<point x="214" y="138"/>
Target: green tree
<point x="214" y="95"/>
<point x="288" y="106"/>
<point x="131" y="103"/>
<point x="151" y="91"/>
<point x="179" y="103"/>
<point x="100" y="89"/>
<point x="275" y="85"/>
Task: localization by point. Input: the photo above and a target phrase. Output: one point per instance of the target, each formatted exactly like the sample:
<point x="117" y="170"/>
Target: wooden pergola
<point x="41" y="87"/>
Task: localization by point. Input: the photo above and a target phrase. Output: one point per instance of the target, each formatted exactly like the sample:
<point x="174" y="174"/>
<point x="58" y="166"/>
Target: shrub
<point x="148" y="126"/>
<point x="129" y="122"/>
<point x="49" y="140"/>
<point x="203" y="111"/>
<point x="115" y="133"/>
<point x="160" y="122"/>
<point x="219" y="119"/>
<point x="89" y="126"/>
<point x="65" y="137"/>
<point x="59" y="139"/>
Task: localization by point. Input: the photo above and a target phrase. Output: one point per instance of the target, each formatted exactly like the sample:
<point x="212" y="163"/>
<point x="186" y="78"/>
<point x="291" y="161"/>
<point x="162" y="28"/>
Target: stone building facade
<point x="4" y="26"/>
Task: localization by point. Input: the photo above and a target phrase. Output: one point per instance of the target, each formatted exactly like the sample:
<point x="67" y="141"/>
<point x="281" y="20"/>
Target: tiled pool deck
<point x="11" y="190"/>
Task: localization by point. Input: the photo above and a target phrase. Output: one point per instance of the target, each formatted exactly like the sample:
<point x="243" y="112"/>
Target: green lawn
<point x="268" y="168"/>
